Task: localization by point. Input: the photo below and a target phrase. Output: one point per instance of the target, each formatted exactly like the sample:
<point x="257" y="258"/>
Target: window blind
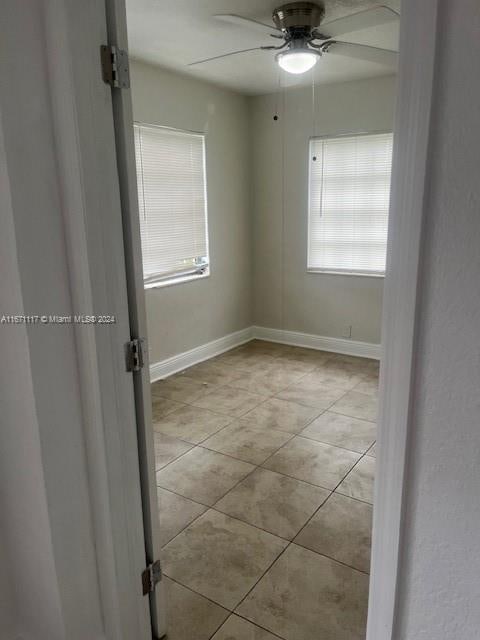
<point x="349" y="193"/>
<point x="172" y="202"/>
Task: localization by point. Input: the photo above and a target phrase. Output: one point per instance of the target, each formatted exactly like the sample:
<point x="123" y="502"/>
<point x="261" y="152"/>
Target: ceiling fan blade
<point x="363" y="52"/>
<point x="361" y="20"/>
<point x="224" y="55"/>
<point x="245" y="22"/>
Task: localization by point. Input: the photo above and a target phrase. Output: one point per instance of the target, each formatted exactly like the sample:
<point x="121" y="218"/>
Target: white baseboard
<point x="164" y="368"/>
<point x="323" y="343"/>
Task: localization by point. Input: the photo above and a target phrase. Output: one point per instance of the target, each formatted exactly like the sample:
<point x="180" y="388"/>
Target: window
<point x="349" y="193"/>
<point x="172" y="204"/>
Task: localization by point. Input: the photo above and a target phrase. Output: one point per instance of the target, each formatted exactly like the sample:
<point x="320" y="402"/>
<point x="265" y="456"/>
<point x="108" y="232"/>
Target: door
<point x="123" y="124"/>
<point x="66" y="226"/>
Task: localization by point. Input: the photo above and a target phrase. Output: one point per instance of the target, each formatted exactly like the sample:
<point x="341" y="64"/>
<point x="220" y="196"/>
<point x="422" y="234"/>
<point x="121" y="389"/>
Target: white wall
<point x="184" y="316"/>
<point x="439" y="584"/>
<point x="59" y="575"/>
<point x="44" y="504"/>
<point x="314" y="303"/>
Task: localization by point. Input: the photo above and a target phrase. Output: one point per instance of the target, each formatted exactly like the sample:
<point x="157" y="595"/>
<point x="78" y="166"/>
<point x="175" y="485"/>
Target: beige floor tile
<point x="267" y="383"/>
<point x="212" y="373"/>
<point x="342" y="431"/>
<point x="273" y="502"/>
<point x="305" y="596"/>
<point x="359" y="482"/>
<point x="191" y="424"/>
<point x="368" y="385"/>
<point x="168" y="449"/>
<point x="162" y="407"/>
<point x="248" y="361"/>
<point x="372" y="451"/>
<point x="311" y="461"/>
<point x="333" y="376"/>
<point x="180" y="388"/>
<point x="241" y="440"/>
<point x="372" y="367"/>
<point x="311" y="394"/>
<point x="236" y="628"/>
<point x="175" y="513"/>
<point x="220" y="557"/>
<point x="286" y="364"/>
<point x="203" y="475"/>
<point x="230" y="401"/>
<point x="341" y="529"/>
<point x="352" y="363"/>
<point x="308" y="356"/>
<point x="263" y="347"/>
<point x="190" y="615"/>
<point x="357" y="405"/>
<point x="282" y="415"/>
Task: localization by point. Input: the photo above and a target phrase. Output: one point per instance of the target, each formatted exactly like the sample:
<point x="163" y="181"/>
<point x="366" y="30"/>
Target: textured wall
<point x="187" y="315"/>
<point x="315" y="303"/>
<point x="439" y="574"/>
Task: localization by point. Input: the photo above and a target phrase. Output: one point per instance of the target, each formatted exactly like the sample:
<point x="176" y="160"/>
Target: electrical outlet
<point x="347" y="331"/>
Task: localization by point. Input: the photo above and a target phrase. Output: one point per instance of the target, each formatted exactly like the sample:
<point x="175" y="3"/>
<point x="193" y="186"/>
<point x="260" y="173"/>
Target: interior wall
<point x="440" y="567"/>
<point x="183" y="316"/>
<point x="45" y="511"/>
<point x="314" y="303"/>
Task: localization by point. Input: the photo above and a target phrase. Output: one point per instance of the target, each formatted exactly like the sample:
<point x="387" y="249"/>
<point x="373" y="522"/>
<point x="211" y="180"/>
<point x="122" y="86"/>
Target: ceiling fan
<point x="297" y="24"/>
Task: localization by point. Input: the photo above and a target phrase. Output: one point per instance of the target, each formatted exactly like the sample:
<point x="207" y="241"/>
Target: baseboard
<point x="164" y="368"/>
<point x="323" y="343"/>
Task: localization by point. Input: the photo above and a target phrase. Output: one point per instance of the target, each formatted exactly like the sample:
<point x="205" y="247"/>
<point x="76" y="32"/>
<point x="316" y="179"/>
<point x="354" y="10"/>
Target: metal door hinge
<point x="115" y="70"/>
<point x="151" y="577"/>
<point x="134" y="354"/>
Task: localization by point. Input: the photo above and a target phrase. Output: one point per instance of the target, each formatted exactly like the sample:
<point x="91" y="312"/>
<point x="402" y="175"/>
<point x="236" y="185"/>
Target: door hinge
<point x="115" y="70"/>
<point x="151" y="576"/>
<point x="134" y="354"/>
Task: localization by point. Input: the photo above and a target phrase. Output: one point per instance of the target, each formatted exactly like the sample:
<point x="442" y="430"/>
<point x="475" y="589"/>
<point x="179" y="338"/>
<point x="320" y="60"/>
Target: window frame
<point x="161" y="281"/>
<point x="339" y="272"/>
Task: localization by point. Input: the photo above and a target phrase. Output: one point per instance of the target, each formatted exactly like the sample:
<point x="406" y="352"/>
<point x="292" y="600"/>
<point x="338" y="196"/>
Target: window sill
<point x="346" y="273"/>
<point x="178" y="280"/>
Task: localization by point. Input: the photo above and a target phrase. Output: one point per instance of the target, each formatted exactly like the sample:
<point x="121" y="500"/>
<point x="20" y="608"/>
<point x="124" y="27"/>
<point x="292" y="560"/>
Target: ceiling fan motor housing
<point x="298" y="18"/>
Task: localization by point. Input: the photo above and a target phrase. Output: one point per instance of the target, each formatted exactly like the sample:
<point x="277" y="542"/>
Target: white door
<point x="123" y="123"/>
<point x="93" y="470"/>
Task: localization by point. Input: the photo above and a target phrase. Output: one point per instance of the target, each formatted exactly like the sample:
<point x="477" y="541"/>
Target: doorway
<point x="184" y="383"/>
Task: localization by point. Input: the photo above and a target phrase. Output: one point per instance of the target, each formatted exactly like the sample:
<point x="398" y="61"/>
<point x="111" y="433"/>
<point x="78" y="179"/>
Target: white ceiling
<point x="172" y="33"/>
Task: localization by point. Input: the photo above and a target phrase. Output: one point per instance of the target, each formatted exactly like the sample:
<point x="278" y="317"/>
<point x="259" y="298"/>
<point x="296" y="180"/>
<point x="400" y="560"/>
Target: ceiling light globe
<point x="298" y="60"/>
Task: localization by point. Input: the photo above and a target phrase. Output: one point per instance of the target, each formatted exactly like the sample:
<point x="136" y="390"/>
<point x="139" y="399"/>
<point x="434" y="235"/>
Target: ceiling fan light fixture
<point x="297" y="61"/>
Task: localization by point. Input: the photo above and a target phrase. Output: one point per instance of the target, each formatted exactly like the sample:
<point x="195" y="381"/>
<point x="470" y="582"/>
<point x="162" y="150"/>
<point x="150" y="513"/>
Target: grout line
<point x="174" y="459"/>
<point x="339" y="493"/>
<point x="292" y="542"/>
<point x="350" y="416"/>
<point x="336" y="446"/>
<point x="261" y="466"/>
<point x="230" y="612"/>
<point x="203" y="596"/>
<point x="262" y="576"/>
<point x="255" y="624"/>
<point x="311" y="484"/>
<point x="324" y="555"/>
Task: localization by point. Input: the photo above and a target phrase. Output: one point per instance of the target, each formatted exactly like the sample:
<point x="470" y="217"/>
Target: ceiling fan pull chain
<point x="314" y="122"/>
<point x="277" y="94"/>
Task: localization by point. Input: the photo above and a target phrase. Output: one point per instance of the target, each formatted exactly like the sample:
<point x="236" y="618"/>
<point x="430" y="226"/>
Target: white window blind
<point x="172" y="203"/>
<point x="349" y="192"/>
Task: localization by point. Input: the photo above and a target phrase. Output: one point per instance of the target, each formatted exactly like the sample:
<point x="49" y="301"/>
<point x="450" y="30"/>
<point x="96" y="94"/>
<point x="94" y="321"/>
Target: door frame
<point x="116" y="481"/>
<point x="88" y="183"/>
<point x="418" y="33"/>
<point x="418" y="29"/>
<point x="125" y="155"/>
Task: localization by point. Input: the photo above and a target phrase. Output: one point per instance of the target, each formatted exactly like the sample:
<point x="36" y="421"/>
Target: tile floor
<point x="265" y="461"/>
